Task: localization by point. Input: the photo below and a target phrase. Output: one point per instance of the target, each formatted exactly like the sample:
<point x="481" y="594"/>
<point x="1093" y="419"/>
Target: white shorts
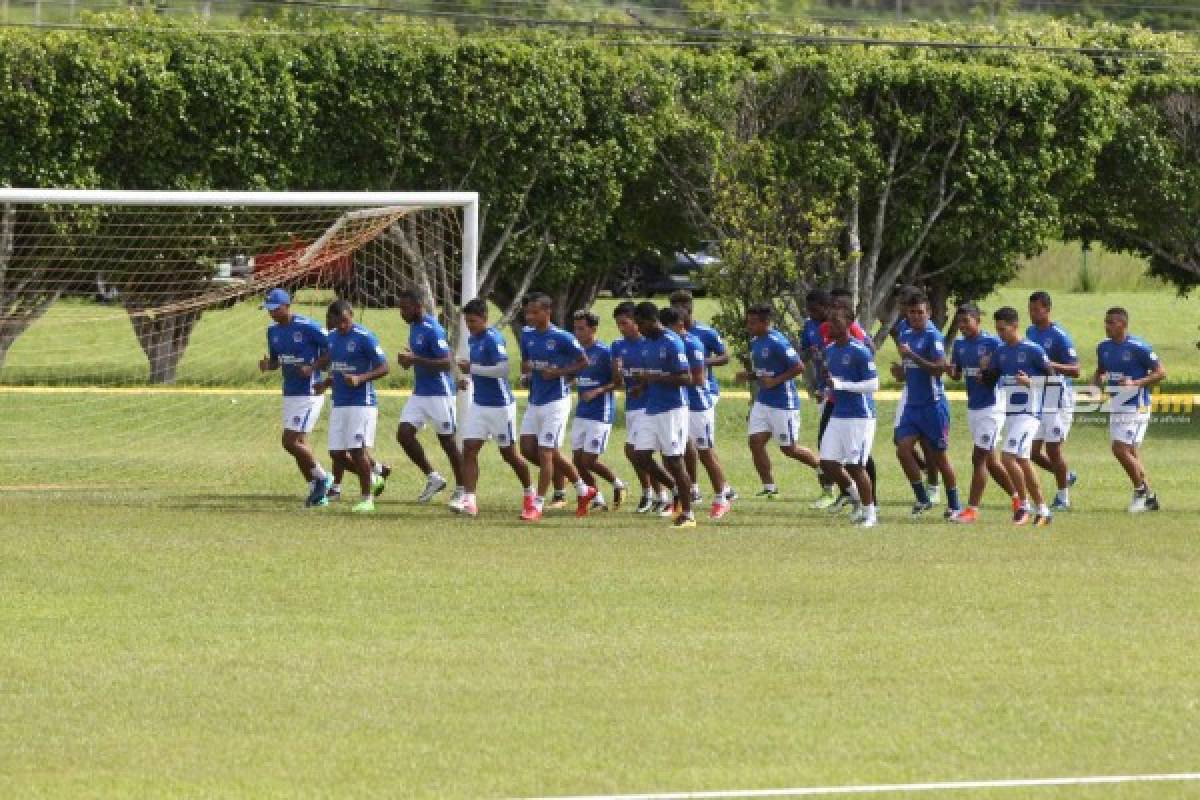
<point x="665" y="432"/>
<point x="492" y="422"/>
<point x="437" y="410"/>
<point x="782" y="424"/>
<point x="352" y="427"/>
<point x="590" y="436"/>
<point x="1128" y="427"/>
<point x="900" y="407"/>
<point x="547" y="422"/>
<point x="985" y="425"/>
<point x="848" y="440"/>
<point x="1018" y="438"/>
<point x="633" y="421"/>
<point x="1057" y="415"/>
<point x="300" y="414"/>
<point x="702" y="429"/>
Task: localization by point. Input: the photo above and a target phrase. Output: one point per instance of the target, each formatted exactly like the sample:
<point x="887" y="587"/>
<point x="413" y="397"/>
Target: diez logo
<point x="1087" y="399"/>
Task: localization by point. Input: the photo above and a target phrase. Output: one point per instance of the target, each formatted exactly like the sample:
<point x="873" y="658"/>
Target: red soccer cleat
<point x="529" y="510"/>
<point x="719" y="509"/>
<point x="585" y="502"/>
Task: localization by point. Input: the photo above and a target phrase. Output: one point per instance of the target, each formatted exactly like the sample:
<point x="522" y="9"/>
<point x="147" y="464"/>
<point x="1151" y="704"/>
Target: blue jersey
<point x="773" y="355"/>
<point x="921" y="388"/>
<point x="663" y="356"/>
<point x="853" y="362"/>
<point x="428" y="339"/>
<point x="354" y="353"/>
<point x="1058" y="346"/>
<point x="597" y="373"/>
<point x="552" y="348"/>
<point x="714" y="345"/>
<point x="629" y="353"/>
<point x="965" y="354"/>
<point x="698" y="398"/>
<point x="1131" y="358"/>
<point x="812" y="345"/>
<point x="297" y="344"/>
<point x="1027" y="357"/>
<point x="488" y="350"/>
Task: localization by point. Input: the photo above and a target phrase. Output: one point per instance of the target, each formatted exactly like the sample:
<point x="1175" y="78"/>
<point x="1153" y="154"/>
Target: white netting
<point x="159" y="304"/>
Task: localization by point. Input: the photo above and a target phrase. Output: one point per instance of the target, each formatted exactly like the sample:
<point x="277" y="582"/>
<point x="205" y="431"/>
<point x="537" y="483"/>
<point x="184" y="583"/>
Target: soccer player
<point x="924" y="457"/>
<point x="846" y="445"/>
<point x="295" y="343"/>
<point x="550" y="356"/>
<point x="433" y="397"/>
<point x="701" y="426"/>
<point x="1020" y="368"/>
<point x="776" y="402"/>
<point x="926" y="414"/>
<point x="356" y="360"/>
<point x="1058" y="409"/>
<point x="665" y="427"/>
<point x="626" y="356"/>
<point x="595" y="411"/>
<point x="1128" y="367"/>
<point x="494" y="408"/>
<point x="716" y="354"/>
<point x="985" y="416"/>
<point x="842" y="298"/>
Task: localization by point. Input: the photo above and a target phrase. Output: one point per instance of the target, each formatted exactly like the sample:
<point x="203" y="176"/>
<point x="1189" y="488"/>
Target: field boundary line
<point x="883" y="788"/>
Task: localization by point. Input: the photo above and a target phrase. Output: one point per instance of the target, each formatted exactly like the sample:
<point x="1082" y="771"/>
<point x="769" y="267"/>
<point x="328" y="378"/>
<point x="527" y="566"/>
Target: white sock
<point x="770" y="487"/>
<point x="648" y="494"/>
<point x="539" y="502"/>
<point x="377" y="468"/>
<point x="1063" y="496"/>
<point x="336" y="487"/>
<point x="317" y="473"/>
<point x="433" y="476"/>
<point x="618" y="483"/>
<point x="665" y="497"/>
<point x="460" y="489"/>
<point x="581" y="487"/>
<point x="1045" y="512"/>
<point x="599" y="496"/>
<point x="469" y="497"/>
<point x="871" y="513"/>
<point x="529" y="491"/>
<point x="855" y="498"/>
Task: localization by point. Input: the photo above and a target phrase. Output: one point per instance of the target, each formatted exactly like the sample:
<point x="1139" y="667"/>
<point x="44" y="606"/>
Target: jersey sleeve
<point x="497" y="350"/>
<point x="696" y="357"/>
<point x="1041" y="359"/>
<point x="438" y="346"/>
<point x="271" y="352"/>
<point x="574" y="348"/>
<point x="1147" y="357"/>
<point x="716" y="343"/>
<point x="1070" y="354"/>
<point x="320" y="339"/>
<point x="787" y="353"/>
<point x="936" y="346"/>
<point x="677" y="360"/>
<point x="378" y="357"/>
<point x="523" y="344"/>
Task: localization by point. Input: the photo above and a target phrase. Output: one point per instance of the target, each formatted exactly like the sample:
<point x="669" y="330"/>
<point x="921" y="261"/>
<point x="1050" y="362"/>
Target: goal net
<point x="126" y="316"/>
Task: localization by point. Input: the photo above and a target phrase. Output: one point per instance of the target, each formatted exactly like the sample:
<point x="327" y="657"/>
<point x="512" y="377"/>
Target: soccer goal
<point x="157" y="293"/>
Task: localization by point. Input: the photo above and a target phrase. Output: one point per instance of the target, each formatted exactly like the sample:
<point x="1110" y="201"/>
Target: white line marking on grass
<point x="882" y="788"/>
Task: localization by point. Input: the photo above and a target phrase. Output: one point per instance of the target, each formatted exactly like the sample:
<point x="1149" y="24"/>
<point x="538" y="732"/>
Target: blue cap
<point x="275" y="299"/>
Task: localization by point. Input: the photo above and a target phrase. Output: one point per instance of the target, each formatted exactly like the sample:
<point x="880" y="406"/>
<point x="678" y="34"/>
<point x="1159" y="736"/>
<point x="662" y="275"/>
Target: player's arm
<point x="1156" y="374"/>
<point x="268" y="363"/>
<point x="720" y="355"/>
<point x="381" y="369"/>
<point x="792" y="372"/>
<point x="934" y="366"/>
<point x="569" y="371"/>
<point x="868" y="381"/>
<point x="953" y="370"/>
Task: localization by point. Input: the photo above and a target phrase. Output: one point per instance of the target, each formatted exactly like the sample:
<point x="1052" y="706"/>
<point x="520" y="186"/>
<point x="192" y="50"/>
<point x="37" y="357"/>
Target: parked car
<point x="651" y="274"/>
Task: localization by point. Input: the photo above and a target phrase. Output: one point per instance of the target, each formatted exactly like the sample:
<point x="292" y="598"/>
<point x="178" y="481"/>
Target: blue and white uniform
<point x="714" y="345"/>
<point x="549" y="398"/>
<point x="1023" y="406"/>
<point x="628" y="353"/>
<point x="665" y="426"/>
<point x="1058" y="403"/>
<point x="985" y="413"/>
<point x="493" y="406"/>
<point x="774" y="409"/>
<point x="298" y="344"/>
<point x="432" y="400"/>
<point x="926" y="412"/>
<point x="355" y="408"/>
<point x="853" y="379"/>
<point x="594" y="418"/>
<point x="702" y="427"/>
<point x="1129" y="413"/>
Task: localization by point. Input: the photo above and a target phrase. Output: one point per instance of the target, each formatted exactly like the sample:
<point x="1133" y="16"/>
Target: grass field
<point x="175" y="625"/>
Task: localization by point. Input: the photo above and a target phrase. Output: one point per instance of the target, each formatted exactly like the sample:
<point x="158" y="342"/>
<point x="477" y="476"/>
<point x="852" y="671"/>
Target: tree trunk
<point x="164" y="340"/>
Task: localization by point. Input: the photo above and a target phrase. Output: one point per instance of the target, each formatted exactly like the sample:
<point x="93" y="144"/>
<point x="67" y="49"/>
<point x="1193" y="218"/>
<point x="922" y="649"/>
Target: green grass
<point x="1060" y="268"/>
<point x="175" y="625"/>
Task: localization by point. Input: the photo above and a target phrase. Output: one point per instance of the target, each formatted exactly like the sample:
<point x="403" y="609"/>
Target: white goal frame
<point x="467" y="201"/>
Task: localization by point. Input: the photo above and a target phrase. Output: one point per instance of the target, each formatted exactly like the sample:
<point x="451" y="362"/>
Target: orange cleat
<point x="584" y="502"/>
<point x="967" y="516"/>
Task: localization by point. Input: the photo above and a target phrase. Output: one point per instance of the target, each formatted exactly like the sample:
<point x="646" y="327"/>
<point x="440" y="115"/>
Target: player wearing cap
<point x="985" y="415"/>
<point x="1127" y="367"/>
<point x="295" y="344"/>
<point x="595" y="411"/>
<point x="1020" y="368"/>
<point x="1058" y="409"/>
<point x="432" y="400"/>
<point x="493" y="412"/>
<point x="774" y="414"/>
<point x="356" y="360"/>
